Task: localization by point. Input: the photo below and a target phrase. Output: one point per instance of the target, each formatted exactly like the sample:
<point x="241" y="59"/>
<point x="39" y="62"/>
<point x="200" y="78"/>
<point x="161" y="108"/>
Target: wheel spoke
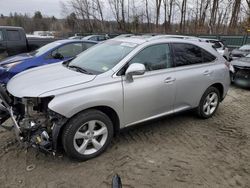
<point x="91" y="125"/>
<point x="213" y="97"/>
<point x="214" y="104"/>
<point x="101" y="131"/>
<point x="80" y="135"/>
<point x="208" y="109"/>
<point x="83" y="147"/>
<point x="205" y="106"/>
<point x="96" y="144"/>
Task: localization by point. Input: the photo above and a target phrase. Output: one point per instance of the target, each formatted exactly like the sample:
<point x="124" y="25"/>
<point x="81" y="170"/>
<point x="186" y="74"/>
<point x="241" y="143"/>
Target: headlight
<point x="10" y="65"/>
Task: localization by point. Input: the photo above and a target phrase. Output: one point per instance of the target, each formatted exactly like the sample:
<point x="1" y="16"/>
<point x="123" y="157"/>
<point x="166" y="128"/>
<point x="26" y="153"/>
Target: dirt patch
<point x="177" y="151"/>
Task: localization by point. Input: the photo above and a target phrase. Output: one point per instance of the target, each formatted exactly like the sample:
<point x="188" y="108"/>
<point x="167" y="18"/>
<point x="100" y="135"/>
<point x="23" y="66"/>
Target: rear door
<point x="152" y="94"/>
<point x="194" y="73"/>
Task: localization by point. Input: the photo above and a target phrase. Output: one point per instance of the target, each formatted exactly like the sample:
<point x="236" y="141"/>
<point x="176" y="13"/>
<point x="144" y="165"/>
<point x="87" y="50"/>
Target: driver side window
<point x="154" y="57"/>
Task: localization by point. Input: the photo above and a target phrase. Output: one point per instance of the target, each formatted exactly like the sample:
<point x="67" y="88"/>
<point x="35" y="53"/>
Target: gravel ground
<point x="177" y="151"/>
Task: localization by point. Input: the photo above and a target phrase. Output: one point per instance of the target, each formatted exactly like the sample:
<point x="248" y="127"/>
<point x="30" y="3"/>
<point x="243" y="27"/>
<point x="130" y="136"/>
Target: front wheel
<point x="209" y="103"/>
<point x="87" y="135"/>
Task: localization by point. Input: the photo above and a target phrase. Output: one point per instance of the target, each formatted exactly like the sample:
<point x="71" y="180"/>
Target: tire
<point x="81" y="139"/>
<point x="208" y="112"/>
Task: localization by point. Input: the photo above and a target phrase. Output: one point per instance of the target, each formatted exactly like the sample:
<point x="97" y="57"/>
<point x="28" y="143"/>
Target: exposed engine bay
<point x="33" y="123"/>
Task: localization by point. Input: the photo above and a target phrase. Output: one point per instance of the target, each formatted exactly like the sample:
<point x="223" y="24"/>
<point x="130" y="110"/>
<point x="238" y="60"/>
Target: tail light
<point x="229" y="66"/>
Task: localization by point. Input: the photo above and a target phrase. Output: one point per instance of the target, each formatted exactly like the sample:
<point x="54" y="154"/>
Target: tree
<point x="158" y="9"/>
<point x="38" y="15"/>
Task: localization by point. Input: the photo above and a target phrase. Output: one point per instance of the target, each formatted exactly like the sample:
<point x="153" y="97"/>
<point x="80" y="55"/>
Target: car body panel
<point x="50" y="77"/>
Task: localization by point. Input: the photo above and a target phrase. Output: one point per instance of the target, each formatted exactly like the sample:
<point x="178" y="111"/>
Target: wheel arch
<point x="220" y="87"/>
<point x="110" y="112"/>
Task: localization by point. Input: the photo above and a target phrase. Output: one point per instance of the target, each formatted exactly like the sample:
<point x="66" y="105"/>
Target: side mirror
<point x="135" y="69"/>
<point x="58" y="56"/>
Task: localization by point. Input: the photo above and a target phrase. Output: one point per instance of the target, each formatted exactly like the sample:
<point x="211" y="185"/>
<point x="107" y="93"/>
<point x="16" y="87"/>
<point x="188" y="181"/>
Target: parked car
<point x="241" y="75"/>
<point x="13" y="41"/>
<point x="76" y="37"/>
<point x="116" y="84"/>
<point x="96" y="37"/>
<point x="61" y="50"/>
<point x="243" y="51"/>
<point x="219" y="46"/>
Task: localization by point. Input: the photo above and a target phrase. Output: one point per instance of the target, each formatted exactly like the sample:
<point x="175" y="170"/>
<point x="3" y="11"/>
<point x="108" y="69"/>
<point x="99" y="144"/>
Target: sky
<point x="47" y="7"/>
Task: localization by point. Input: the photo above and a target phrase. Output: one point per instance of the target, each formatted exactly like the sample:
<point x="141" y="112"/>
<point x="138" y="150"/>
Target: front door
<point x="150" y="95"/>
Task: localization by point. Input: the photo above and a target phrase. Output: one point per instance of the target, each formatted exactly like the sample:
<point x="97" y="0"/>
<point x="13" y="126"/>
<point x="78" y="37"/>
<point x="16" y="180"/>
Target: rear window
<point x="189" y="54"/>
<point x="13" y="35"/>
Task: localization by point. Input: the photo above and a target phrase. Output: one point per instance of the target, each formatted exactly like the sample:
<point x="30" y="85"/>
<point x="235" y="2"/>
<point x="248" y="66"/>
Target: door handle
<point x="207" y="72"/>
<point x="169" y="80"/>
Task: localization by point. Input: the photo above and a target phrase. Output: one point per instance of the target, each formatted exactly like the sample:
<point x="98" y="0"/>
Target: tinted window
<point x="93" y="38"/>
<point x="13" y="35"/>
<point x="207" y="57"/>
<point x="154" y="57"/>
<point x="87" y="45"/>
<point x="70" y="50"/>
<point x="1" y="35"/>
<point x="216" y="44"/>
<point x="187" y="54"/>
<point x="101" y="38"/>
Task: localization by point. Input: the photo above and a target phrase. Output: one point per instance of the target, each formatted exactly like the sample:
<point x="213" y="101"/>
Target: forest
<point x="143" y="16"/>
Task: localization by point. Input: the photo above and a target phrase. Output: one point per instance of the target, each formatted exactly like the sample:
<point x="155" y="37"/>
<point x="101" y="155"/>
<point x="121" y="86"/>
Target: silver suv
<point x="80" y="104"/>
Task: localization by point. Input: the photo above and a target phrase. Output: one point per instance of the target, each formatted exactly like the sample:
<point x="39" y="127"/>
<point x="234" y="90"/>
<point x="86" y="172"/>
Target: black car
<point x="241" y="74"/>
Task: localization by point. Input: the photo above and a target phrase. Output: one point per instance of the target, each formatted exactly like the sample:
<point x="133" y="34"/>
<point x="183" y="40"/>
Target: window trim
<point x="203" y="63"/>
<point x="119" y="72"/>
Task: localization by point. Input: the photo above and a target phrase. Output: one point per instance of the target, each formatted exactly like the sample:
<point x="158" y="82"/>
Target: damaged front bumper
<point x="33" y="123"/>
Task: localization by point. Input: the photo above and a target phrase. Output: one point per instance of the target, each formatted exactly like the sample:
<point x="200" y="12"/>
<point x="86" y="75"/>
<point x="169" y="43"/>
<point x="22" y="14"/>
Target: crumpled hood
<point x="241" y="62"/>
<point x="37" y="81"/>
<point x="16" y="58"/>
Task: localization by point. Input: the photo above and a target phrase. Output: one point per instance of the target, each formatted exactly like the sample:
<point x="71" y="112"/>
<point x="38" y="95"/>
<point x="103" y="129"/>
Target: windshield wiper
<point x="79" y="69"/>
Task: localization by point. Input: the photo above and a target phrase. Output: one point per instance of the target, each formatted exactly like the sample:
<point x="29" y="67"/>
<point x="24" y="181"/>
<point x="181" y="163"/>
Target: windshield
<point x="245" y="47"/>
<point x="103" y="57"/>
<point x="44" y="49"/>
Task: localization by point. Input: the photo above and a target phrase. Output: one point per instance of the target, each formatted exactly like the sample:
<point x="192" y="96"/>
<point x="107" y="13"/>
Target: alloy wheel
<point x="90" y="137"/>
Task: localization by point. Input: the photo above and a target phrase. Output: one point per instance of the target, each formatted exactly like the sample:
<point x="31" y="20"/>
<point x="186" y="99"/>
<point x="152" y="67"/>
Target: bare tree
<point x="235" y="14"/>
<point x="158" y="9"/>
<point x="183" y="15"/>
<point x="147" y="14"/>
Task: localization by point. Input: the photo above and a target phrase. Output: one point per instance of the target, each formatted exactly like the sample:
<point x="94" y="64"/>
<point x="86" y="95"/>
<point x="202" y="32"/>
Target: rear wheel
<point x="209" y="103"/>
<point x="87" y="135"/>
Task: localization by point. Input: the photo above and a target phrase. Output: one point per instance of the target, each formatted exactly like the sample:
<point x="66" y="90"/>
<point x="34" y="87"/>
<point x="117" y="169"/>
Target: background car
<point x="96" y="37"/>
<point x="219" y="46"/>
<point x="54" y="52"/>
<point x="243" y="51"/>
<point x="241" y="75"/>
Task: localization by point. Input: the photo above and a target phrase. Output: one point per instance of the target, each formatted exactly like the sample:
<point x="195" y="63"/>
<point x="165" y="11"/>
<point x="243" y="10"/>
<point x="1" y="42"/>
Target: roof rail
<point x="173" y="36"/>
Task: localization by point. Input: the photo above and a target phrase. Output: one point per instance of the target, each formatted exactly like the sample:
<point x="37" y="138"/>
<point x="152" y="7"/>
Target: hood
<point x="241" y="62"/>
<point x="16" y="58"/>
<point x="238" y="51"/>
<point x="37" y="81"/>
